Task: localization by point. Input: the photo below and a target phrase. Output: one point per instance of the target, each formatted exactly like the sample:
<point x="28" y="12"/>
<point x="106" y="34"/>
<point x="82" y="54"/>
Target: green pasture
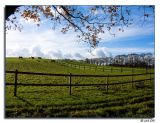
<point x="121" y="101"/>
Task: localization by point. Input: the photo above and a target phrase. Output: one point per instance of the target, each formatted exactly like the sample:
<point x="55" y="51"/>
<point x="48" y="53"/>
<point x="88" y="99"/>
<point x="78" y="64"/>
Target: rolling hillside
<point x="121" y="101"/>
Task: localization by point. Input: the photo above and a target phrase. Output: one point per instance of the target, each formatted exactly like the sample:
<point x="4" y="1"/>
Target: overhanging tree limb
<point x="89" y="22"/>
<point x="9" y="10"/>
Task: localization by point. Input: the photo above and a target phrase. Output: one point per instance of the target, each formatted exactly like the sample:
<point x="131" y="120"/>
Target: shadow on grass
<point x="24" y="100"/>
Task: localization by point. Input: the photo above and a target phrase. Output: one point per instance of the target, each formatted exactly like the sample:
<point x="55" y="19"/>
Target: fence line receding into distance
<point x="102" y="67"/>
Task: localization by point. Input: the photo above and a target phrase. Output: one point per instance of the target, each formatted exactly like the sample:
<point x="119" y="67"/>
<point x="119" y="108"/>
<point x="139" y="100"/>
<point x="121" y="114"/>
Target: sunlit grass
<point x="41" y="102"/>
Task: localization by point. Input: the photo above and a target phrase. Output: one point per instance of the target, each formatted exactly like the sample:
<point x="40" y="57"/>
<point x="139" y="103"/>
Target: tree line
<point x="130" y="60"/>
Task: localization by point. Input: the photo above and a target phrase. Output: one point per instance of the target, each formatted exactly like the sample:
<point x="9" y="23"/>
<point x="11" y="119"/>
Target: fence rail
<point x="22" y="84"/>
<point x="80" y="75"/>
<point x="70" y="80"/>
<point x="101" y="68"/>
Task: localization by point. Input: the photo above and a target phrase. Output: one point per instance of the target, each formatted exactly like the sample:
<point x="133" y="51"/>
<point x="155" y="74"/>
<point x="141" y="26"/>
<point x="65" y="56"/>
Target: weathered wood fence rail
<point x="70" y="80"/>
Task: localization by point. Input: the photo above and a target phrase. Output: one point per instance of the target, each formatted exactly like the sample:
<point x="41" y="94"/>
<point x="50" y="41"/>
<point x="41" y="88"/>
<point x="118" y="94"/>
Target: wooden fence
<point x="102" y="68"/>
<point x="70" y="85"/>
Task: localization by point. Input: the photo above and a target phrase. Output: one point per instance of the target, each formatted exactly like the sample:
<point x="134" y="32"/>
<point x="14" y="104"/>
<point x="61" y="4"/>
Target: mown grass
<point x="121" y="101"/>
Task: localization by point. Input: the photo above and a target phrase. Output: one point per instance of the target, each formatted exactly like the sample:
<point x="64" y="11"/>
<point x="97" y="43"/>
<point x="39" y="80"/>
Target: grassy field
<point x="93" y="67"/>
<point x="121" y="101"/>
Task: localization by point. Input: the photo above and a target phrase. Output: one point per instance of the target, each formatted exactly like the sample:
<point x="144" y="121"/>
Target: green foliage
<point x="86" y="101"/>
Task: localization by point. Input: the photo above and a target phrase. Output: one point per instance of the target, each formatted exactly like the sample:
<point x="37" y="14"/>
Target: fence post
<point x="150" y="77"/>
<point x="107" y="81"/>
<point x="146" y="70"/>
<point x="132" y="79"/>
<point x="15" y="84"/>
<point x="132" y="70"/>
<point x="70" y="83"/>
<point x="146" y="75"/>
<point x="121" y="69"/>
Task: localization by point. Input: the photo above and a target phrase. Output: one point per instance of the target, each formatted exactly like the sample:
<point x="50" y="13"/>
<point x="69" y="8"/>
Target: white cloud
<point x="19" y="52"/>
<point x="78" y="55"/>
<point x="67" y="56"/>
<point x="53" y="44"/>
<point x="109" y="52"/>
<point x="47" y="43"/>
<point x="55" y="54"/>
<point x="100" y="52"/>
<point x="36" y="51"/>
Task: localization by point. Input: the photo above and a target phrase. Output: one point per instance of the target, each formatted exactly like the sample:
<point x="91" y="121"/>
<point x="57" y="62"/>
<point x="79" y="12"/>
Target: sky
<point x="45" y="42"/>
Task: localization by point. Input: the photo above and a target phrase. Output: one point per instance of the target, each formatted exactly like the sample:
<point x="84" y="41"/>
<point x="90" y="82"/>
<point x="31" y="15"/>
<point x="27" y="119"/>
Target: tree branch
<point x="9" y="10"/>
<point x="68" y="20"/>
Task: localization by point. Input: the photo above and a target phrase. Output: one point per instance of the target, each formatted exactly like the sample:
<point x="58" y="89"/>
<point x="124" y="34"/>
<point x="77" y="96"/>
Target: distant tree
<point x="89" y="21"/>
<point x="87" y="60"/>
<point x="107" y="61"/>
